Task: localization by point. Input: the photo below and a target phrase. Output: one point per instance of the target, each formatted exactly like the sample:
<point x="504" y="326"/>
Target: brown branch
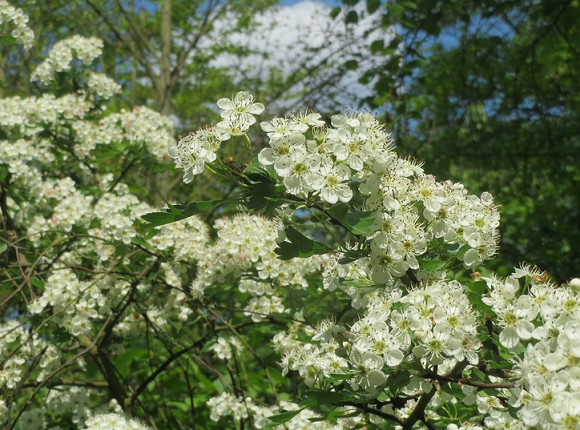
<point x="367" y="409"/>
<point x="62" y="382"/>
<point x="123" y="39"/>
<point x="151" y="50"/>
<point x="419" y="410"/>
<point x="174" y="356"/>
<point x="465" y="381"/>
<point x="55" y="372"/>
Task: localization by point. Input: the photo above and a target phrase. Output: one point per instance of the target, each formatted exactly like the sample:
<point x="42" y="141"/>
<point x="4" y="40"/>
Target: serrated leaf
<point x="432" y="265"/>
<point x="477" y="302"/>
<point x="478" y="287"/>
<point x="178" y="212"/>
<point x="299" y="246"/>
<point x="282" y="418"/>
<point x="264" y="192"/>
<point x="354" y="221"/>
<point x="398" y="381"/>
<point x="296" y="298"/>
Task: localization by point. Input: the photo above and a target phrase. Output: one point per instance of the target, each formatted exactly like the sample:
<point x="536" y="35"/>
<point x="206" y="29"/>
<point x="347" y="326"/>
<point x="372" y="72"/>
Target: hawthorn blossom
<point x="193" y="152"/>
<point x="241" y="108"/>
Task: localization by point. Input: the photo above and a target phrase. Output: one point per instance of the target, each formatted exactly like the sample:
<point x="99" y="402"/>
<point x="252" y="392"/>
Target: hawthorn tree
<point x="334" y="285"/>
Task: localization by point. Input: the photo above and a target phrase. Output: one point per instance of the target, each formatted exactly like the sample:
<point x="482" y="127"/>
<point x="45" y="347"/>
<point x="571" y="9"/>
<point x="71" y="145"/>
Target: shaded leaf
<point x="373" y="5"/>
<point x="315" y="397"/>
<point x="178" y="212"/>
<point x="299" y="246"/>
<point x="351" y="17"/>
<point x="282" y="418"/>
<point x="264" y="192"/>
<point x="8" y="40"/>
<point x="335" y="12"/>
<point x="351" y="64"/>
<point x="354" y="221"/>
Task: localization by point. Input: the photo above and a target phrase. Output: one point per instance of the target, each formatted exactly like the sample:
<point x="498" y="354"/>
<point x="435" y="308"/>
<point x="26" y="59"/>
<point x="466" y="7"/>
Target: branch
<point x="160" y="369"/>
<point x="55" y="372"/>
<point x="367" y="409"/>
<point x="123" y="39"/>
<point x="62" y="382"/>
<point x="465" y="381"/>
<point x="419" y="411"/>
<point x="137" y="32"/>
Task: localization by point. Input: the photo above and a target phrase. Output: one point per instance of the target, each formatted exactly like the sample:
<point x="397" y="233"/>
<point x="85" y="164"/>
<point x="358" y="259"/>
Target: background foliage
<point x="487" y="93"/>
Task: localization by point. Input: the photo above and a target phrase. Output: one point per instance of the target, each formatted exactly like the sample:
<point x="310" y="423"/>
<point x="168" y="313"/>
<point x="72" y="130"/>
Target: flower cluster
<point x="326" y="163"/>
<point x="226" y="405"/>
<point x="22" y="33"/>
<point x="102" y="85"/>
<point x="434" y="324"/>
<point x="246" y="245"/>
<point x="113" y="421"/>
<point x="17" y="349"/>
<point x="224" y="348"/>
<point x="61" y="56"/>
<point x="546" y="319"/>
<point x="197" y="149"/>
<point x="74" y="401"/>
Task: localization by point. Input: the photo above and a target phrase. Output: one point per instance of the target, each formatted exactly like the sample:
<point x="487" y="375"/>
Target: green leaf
<point x="351" y="64"/>
<point x="432" y="265"/>
<point x="398" y="381"/>
<point x="478" y="287"/>
<point x="37" y="282"/>
<point x="373" y="5"/>
<point x="3" y="247"/>
<point x="325" y="397"/>
<point x="179" y="405"/>
<point x="377" y="46"/>
<point x="354" y="221"/>
<point x="351" y="17"/>
<point x="8" y="40"/>
<point x="282" y="418"/>
<point x="335" y="12"/>
<point x="264" y="192"/>
<point x="296" y="298"/>
<point x="178" y="212"/>
<point x="299" y="246"/>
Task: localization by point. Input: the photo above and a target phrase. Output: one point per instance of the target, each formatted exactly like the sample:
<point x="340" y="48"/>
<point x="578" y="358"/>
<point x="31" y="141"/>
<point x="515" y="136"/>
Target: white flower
<point x="517" y="321"/>
<point x="279" y="148"/>
<point x="367" y="374"/>
<point x="335" y="185"/>
<point x="300" y="170"/>
<point x="192" y="152"/>
<point x="241" y="109"/>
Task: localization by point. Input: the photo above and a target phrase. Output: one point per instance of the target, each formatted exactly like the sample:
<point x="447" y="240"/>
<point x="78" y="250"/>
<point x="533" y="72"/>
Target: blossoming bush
<point x="336" y="285"/>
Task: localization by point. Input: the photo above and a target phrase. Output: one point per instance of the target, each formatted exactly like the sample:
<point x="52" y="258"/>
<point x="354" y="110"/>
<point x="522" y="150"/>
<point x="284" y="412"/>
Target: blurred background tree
<point x="488" y="93"/>
<point x="179" y="57"/>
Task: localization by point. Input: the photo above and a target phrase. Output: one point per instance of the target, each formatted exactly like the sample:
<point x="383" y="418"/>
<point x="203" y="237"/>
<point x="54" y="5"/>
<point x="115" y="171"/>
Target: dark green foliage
<point x="487" y="94"/>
